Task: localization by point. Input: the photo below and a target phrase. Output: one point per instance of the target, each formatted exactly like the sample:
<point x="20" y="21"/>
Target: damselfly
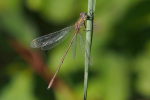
<point x="51" y="40"/>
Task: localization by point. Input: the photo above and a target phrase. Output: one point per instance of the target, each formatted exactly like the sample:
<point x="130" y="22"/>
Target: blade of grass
<point x="89" y="34"/>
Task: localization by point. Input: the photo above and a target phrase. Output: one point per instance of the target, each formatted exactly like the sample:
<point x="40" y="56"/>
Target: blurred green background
<point x="120" y="48"/>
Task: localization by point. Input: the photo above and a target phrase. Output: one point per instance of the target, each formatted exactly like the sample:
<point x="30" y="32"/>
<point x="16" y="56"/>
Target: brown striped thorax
<point x="81" y="20"/>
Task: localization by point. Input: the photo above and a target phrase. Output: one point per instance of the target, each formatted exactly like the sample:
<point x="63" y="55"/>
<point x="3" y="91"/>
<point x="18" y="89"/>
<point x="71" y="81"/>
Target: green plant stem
<point x="89" y="33"/>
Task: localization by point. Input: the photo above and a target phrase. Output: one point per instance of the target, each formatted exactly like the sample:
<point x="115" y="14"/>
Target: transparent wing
<point x="74" y="47"/>
<point x="82" y="46"/>
<point x="51" y="40"/>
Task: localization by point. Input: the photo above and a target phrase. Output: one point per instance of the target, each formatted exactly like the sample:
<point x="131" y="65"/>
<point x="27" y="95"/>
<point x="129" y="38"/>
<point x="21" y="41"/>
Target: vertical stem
<point x="89" y="33"/>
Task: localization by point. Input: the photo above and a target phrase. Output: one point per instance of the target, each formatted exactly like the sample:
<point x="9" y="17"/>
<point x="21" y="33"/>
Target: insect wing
<point x="82" y="46"/>
<point x="51" y="40"/>
<point x="74" y="47"/>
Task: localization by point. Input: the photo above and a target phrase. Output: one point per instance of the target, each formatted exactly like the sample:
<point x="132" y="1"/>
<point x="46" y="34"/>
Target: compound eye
<point x="81" y="13"/>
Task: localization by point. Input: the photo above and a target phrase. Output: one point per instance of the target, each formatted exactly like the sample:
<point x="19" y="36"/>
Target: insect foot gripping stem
<point x="91" y="16"/>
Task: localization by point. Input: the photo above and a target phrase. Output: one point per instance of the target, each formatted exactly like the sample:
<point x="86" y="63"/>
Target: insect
<point x="51" y="40"/>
